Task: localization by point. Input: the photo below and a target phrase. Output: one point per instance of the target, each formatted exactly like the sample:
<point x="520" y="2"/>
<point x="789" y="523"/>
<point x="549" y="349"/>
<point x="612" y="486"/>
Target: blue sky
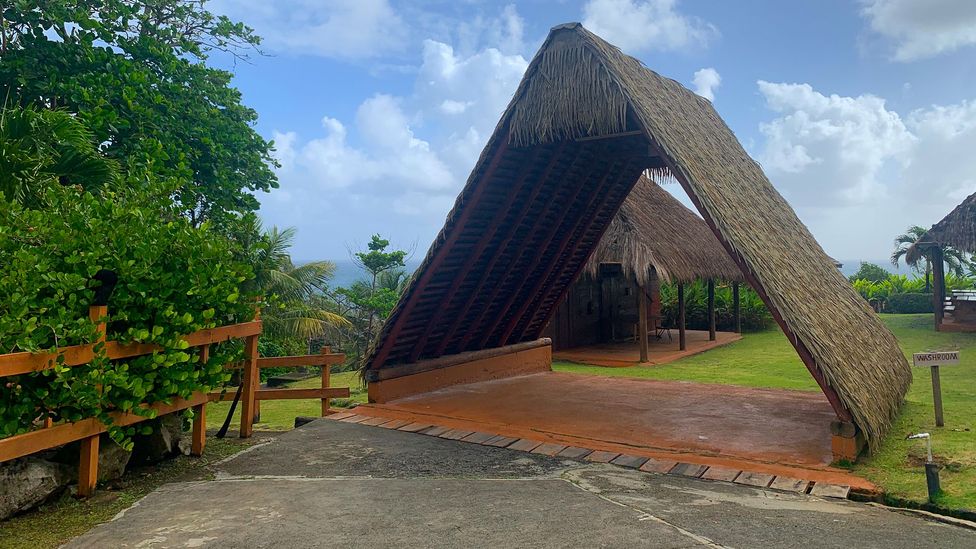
<point x="863" y="114"/>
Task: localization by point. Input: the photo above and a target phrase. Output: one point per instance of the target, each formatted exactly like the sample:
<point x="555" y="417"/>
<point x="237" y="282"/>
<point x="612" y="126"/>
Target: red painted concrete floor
<point x="660" y="351"/>
<point x="758" y="425"/>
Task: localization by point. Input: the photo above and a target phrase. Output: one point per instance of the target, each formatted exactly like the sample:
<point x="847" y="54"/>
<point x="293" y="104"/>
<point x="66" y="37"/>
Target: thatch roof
<point x="584" y="123"/>
<point x="958" y="229"/>
<point x="652" y="230"/>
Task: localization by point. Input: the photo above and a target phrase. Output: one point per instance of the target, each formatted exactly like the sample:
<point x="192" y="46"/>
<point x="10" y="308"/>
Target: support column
<point x="711" y="310"/>
<point x="736" y="308"/>
<point x="682" y="341"/>
<point x="642" y="321"/>
<point x="938" y="285"/>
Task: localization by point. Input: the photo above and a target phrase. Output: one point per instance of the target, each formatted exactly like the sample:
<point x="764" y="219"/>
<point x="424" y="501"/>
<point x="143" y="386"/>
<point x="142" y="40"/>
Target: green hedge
<point x="909" y="303"/>
<point x="173" y="279"/>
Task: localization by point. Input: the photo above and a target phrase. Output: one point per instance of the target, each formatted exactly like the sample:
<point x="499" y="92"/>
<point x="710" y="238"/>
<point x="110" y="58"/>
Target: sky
<point x="862" y="113"/>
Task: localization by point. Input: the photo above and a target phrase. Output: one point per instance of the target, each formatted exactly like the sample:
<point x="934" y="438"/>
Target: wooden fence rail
<point x="88" y="430"/>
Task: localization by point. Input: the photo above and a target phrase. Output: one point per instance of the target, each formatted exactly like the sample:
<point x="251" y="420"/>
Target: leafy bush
<point x="173" y="279"/>
<point x="754" y="314"/>
<point x="910" y="303"/>
<point x="871" y="272"/>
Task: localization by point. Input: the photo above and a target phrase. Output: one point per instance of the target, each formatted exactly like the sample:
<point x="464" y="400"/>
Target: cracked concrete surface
<point x="330" y="483"/>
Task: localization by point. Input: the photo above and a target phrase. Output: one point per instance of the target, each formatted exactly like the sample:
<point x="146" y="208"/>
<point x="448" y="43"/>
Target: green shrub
<point x="909" y="303"/>
<point x="173" y="279"/>
<point x="754" y="314"/>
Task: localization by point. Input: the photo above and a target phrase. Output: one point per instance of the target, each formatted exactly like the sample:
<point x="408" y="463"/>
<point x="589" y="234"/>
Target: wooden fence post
<point x="88" y="466"/>
<point x="199" y="434"/>
<point x="642" y="327"/>
<point x="711" y="309"/>
<point x="682" y="341"/>
<point x="326" y="350"/>
<point x="249" y="380"/>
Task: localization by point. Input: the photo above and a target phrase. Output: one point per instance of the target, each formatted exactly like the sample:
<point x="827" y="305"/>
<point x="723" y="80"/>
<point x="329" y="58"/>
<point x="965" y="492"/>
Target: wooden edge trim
<point x="285" y="394"/>
<point x="24" y="363"/>
<point x="35" y="441"/>
<point x="452" y="360"/>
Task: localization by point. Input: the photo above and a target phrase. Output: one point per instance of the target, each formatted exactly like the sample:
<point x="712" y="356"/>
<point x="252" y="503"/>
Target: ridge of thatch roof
<point x="582" y="125"/>
<point x="653" y="230"/>
<point x="957" y="229"/>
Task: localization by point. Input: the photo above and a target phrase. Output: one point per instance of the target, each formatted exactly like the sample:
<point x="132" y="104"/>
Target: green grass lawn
<point x="279" y="415"/>
<point x="767" y="359"/>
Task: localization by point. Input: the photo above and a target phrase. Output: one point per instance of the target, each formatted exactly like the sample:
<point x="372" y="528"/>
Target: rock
<point x="163" y="443"/>
<point x="28" y="482"/>
<point x="112" y="458"/>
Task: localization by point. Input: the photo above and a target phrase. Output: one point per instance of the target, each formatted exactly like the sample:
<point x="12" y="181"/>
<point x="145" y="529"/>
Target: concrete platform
<point x="332" y="484"/>
<point x="660" y="351"/>
<point x="763" y="425"/>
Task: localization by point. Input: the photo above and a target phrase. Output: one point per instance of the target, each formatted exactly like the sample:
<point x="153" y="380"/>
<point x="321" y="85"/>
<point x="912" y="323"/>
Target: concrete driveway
<point x="333" y="484"/>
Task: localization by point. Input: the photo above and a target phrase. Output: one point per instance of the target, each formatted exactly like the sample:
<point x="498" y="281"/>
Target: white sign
<point x="939" y="358"/>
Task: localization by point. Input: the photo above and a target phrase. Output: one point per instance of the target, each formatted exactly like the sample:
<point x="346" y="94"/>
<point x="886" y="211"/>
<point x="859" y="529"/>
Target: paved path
<point x="336" y="484"/>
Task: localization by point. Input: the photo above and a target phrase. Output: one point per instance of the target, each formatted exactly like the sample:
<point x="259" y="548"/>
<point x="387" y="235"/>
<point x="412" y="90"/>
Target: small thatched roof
<point x="958" y="229"/>
<point x="584" y="123"/>
<point x="653" y="230"/>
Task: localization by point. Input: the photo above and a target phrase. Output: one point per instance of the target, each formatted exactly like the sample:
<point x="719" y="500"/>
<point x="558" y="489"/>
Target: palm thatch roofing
<point x="583" y="124"/>
<point x="958" y="229"/>
<point x="652" y="230"/>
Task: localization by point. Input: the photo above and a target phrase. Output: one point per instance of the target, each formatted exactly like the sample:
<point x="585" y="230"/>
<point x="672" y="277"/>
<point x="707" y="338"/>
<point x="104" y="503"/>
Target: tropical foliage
<point x="954" y="259"/>
<point x="753" y="312"/>
<point x="173" y="279"/>
<point x="133" y="73"/>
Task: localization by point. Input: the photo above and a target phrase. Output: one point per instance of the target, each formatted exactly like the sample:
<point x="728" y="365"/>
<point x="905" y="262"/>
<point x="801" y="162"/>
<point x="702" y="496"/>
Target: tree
<point x="39" y="149"/>
<point x="954" y="259"/>
<point x="134" y="73"/>
<point x="295" y="306"/>
<point x="370" y="301"/>
<point x="870" y="272"/>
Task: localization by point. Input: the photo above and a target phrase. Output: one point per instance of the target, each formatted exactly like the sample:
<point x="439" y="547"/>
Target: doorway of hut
<point x="607" y="312"/>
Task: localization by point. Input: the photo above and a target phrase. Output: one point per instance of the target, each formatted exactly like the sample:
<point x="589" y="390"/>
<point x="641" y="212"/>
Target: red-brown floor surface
<point x="660" y="351"/>
<point x="760" y="425"/>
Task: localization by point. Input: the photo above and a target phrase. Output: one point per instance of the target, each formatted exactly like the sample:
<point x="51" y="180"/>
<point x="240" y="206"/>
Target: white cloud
<point x="345" y="29"/>
<point x="706" y="80"/>
<point x="923" y="28"/>
<point x="397" y="167"/>
<point x="646" y="25"/>
<point x="858" y="172"/>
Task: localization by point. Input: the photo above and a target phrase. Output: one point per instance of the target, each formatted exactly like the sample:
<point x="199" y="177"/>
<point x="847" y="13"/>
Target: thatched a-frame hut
<point x="584" y="123"/>
<point x="956" y="230"/>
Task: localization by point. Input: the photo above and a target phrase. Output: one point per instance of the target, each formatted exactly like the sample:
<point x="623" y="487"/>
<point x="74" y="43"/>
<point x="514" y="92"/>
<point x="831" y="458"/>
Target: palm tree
<point x="296" y="306"/>
<point x="954" y="259"/>
<point x="40" y="148"/>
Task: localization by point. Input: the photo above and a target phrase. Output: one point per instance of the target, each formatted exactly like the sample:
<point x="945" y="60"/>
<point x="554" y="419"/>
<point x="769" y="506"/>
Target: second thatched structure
<point x="956" y="230"/>
<point x="652" y="239"/>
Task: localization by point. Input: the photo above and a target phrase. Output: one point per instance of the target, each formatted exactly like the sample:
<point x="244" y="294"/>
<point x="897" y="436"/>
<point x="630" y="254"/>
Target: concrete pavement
<point x="331" y="483"/>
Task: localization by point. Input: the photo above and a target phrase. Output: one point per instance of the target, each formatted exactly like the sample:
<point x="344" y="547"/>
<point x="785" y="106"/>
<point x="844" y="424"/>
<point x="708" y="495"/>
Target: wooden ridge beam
<point x="566" y="239"/>
<point x="534" y="229"/>
<point x="486" y="237"/>
<point x="490" y="269"/>
<point x="402" y="316"/>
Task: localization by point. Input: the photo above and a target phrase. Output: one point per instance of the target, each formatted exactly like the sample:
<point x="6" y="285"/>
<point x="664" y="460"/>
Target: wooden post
<point x="682" y="341"/>
<point x="736" y="308"/>
<point x="938" y="285"/>
<point x="88" y="466"/>
<point x="325" y="380"/>
<point x="642" y="321"/>
<point x="937" y="396"/>
<point x="249" y="379"/>
<point x="711" y="310"/>
<point x="95" y="314"/>
<point x="198" y="438"/>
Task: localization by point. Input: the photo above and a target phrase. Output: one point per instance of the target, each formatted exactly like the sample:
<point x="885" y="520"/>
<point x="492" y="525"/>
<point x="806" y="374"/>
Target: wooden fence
<point x="87" y="431"/>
